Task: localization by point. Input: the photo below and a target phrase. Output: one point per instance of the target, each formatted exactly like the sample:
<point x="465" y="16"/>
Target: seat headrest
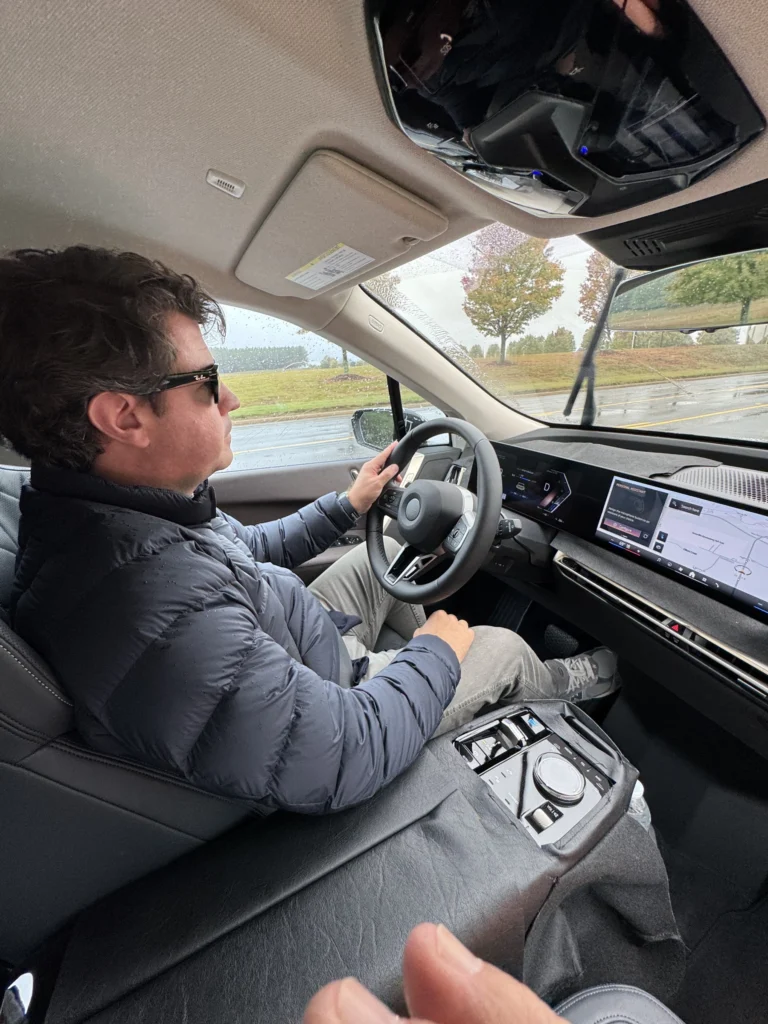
<point x="11" y="482"/>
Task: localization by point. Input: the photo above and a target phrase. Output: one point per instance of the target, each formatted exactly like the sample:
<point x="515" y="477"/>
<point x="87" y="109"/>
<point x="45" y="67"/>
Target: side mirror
<point x="375" y="428"/>
<point x="726" y="291"/>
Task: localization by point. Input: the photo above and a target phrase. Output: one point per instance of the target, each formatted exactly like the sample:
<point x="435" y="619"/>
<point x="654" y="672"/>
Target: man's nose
<point x="228" y="400"/>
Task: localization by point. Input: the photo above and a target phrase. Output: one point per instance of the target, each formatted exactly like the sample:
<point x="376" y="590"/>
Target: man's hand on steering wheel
<point x="371" y="480"/>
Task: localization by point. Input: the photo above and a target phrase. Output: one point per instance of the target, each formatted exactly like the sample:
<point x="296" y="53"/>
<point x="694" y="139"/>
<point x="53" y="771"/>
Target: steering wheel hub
<point x="427" y="512"/>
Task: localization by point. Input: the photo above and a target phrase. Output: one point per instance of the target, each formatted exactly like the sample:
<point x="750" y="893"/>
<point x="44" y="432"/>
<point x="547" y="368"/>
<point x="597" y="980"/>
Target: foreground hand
<point x="455" y="632"/>
<point x="444" y="984"/>
<point x="371" y="480"/>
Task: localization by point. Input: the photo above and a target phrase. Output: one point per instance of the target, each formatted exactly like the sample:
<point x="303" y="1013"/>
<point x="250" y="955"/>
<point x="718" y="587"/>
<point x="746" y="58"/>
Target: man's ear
<point x="121" y="417"/>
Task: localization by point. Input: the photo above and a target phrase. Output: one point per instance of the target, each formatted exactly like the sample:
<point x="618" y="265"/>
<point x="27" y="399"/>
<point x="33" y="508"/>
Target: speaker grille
<point x="747" y="485"/>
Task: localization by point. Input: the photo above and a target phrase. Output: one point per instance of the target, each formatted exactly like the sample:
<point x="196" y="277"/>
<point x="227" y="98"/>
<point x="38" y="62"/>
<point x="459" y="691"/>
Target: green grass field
<point x="673" y="317"/>
<point x="275" y="394"/>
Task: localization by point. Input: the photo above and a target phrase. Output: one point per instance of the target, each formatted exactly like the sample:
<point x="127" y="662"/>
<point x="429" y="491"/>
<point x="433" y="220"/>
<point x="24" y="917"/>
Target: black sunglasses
<point x="208" y="375"/>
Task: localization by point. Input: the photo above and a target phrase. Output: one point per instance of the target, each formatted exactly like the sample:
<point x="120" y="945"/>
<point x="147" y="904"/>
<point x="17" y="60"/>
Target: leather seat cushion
<point x="11" y="482"/>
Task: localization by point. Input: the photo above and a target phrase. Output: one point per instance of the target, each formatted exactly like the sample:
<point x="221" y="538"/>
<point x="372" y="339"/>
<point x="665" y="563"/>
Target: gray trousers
<point x="499" y="664"/>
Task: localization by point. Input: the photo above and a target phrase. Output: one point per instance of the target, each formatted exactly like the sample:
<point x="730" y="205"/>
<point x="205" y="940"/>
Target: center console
<point x="534" y="773"/>
<point x="512" y="832"/>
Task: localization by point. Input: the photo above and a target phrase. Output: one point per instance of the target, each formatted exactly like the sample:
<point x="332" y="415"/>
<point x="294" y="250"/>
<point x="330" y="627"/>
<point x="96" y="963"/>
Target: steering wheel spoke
<point x="389" y="500"/>
<point x="458" y="535"/>
<point x="408" y="564"/>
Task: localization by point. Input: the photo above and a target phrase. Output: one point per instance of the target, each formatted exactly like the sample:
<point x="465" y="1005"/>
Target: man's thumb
<point x="445" y="982"/>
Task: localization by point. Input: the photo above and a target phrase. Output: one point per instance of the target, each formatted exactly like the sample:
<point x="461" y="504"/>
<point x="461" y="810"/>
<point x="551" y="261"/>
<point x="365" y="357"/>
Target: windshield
<point x="516" y="313"/>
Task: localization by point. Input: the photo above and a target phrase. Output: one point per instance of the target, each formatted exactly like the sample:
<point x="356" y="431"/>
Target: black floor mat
<point x="727" y="981"/>
<point x="700" y="896"/>
<point x="708" y="795"/>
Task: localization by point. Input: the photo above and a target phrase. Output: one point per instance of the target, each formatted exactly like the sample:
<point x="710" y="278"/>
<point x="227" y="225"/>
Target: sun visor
<point x="334" y="224"/>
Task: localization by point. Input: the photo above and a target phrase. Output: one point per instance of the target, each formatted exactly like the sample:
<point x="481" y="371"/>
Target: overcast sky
<point x="433" y="283"/>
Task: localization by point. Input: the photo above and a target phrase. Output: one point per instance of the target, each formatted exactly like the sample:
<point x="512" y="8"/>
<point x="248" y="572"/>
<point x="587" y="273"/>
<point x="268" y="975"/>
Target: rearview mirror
<point x="727" y="291"/>
<point x="375" y="428"/>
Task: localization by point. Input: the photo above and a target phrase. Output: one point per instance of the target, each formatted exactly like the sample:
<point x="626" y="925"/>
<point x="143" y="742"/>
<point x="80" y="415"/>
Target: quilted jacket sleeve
<point x="301" y="536"/>
<point x="248" y="721"/>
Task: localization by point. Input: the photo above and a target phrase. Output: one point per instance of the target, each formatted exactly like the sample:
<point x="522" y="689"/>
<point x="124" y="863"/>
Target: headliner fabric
<point x="113" y="113"/>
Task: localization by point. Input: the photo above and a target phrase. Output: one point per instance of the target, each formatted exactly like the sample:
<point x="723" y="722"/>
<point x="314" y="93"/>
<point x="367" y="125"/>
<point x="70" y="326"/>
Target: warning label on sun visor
<point x="331" y="267"/>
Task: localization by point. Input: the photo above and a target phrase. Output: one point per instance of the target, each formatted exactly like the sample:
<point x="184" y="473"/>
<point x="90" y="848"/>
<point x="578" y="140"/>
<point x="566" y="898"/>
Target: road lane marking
<point x="701" y="416"/>
<point x="299" y="444"/>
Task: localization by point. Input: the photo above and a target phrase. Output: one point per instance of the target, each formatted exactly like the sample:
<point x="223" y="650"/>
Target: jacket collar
<point x="153" y="501"/>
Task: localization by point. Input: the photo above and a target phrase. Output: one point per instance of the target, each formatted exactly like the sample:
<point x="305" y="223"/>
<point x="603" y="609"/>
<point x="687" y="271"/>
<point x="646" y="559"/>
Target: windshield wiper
<point x="586" y="370"/>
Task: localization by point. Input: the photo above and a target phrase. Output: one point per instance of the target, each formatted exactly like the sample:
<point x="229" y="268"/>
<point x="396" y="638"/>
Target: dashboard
<point x="718" y="547"/>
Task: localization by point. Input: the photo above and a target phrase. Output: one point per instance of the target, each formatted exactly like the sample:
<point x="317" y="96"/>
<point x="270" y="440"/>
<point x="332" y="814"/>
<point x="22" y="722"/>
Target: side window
<point x="298" y="394"/>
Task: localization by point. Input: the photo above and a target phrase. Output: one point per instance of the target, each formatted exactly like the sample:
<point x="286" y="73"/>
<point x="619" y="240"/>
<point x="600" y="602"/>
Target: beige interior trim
<point x="113" y="114"/>
<point x="336" y="223"/>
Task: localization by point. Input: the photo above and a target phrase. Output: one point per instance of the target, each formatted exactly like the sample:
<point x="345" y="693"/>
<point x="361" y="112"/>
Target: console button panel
<point x="534" y="774"/>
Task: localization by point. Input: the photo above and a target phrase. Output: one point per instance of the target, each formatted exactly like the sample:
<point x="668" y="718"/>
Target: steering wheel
<point x="437" y="520"/>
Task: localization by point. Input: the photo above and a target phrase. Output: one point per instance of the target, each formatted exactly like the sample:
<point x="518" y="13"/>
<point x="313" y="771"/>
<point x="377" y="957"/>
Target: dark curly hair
<point x="76" y="322"/>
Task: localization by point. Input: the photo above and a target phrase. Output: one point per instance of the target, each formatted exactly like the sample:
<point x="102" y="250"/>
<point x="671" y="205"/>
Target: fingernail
<point x="455" y="954"/>
<point x="356" y="1005"/>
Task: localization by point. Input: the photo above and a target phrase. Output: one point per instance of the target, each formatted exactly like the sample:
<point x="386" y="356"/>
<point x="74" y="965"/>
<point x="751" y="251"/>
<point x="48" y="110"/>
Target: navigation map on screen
<point x="717" y="546"/>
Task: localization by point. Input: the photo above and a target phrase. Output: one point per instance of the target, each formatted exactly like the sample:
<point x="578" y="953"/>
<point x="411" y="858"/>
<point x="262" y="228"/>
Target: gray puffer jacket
<point x="185" y="641"/>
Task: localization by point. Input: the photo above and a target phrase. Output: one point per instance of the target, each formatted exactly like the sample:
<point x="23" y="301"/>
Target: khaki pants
<point x="499" y="665"/>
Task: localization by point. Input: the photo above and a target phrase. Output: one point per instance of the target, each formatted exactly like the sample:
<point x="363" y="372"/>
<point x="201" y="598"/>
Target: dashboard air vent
<point x="641" y="247"/>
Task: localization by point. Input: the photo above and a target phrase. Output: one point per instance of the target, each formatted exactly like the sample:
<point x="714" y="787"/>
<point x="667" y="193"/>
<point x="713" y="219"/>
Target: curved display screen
<point x="709" y="545"/>
<point x="717" y="546"/>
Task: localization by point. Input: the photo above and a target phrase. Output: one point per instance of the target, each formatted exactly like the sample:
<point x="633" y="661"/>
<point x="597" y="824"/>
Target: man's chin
<point x="227" y="457"/>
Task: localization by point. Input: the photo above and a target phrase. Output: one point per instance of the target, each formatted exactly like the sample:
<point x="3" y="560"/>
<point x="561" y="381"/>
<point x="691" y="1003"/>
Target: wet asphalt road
<point x="735" y="407"/>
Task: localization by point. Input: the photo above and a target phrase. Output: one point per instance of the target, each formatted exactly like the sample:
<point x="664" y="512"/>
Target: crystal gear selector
<point x="558" y="779"/>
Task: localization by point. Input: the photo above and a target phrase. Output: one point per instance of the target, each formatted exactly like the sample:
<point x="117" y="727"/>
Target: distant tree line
<point x="561" y="340"/>
<point x="616" y="340"/>
<point x="279" y="357"/>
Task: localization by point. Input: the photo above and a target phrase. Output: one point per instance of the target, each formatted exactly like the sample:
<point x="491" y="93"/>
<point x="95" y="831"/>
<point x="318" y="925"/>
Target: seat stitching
<point x="129" y="765"/>
<point x="111" y="803"/>
<point x="36" y="678"/>
<point x="569" y="1004"/>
